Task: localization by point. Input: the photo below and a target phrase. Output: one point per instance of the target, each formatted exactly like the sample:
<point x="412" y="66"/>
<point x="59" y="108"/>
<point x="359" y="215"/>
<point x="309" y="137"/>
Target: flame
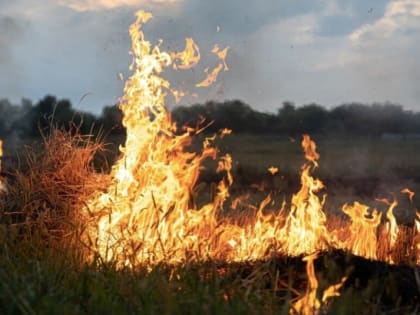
<point x="392" y="226"/>
<point x="225" y="132"/>
<point x="188" y="58"/>
<point x="273" y="170"/>
<point x="309" y="303"/>
<point x="305" y="228"/>
<point x="362" y="240"/>
<point x="310" y="150"/>
<point x="409" y="193"/>
<point x="213" y="74"/>
<point x="147" y="214"/>
<point x="221" y="54"/>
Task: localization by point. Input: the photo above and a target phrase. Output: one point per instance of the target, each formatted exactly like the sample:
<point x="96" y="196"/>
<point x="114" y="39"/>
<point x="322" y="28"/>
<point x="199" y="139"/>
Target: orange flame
<point x="225" y="132"/>
<point x="409" y="193"/>
<point x="310" y="150"/>
<point x="273" y="170"/>
<point x="305" y="228"/>
<point x="188" y="58"/>
<point x="362" y="239"/>
<point x="211" y="76"/>
<point x="221" y="54"/>
<point x="309" y="304"/>
<point x="147" y="216"/>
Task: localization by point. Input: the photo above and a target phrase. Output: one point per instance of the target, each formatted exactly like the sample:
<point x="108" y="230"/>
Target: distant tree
<point x="26" y="119"/>
<point x="50" y="112"/>
<point x="287" y="119"/>
<point x="235" y="114"/>
<point x="312" y="119"/>
<point x="111" y="119"/>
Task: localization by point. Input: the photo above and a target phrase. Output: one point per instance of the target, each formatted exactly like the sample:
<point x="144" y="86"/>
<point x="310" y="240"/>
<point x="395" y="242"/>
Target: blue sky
<point x="325" y="51"/>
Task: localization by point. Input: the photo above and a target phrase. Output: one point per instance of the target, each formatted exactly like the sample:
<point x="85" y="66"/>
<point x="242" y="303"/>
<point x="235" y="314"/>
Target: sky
<point x="324" y="51"/>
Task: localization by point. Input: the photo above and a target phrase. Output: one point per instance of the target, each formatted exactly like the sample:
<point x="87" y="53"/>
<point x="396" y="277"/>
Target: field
<point x="41" y="274"/>
<point x="352" y="168"/>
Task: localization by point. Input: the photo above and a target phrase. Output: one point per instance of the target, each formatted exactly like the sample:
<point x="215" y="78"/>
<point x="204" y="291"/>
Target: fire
<point x="309" y="303"/>
<point x="310" y="150"/>
<point x="362" y="240"/>
<point x="225" y="132"/>
<point x="273" y="170"/>
<point x="305" y="229"/>
<point x="409" y="193"/>
<point x="147" y="214"/>
<point x="188" y="58"/>
<point x="221" y="54"/>
<point x="213" y="74"/>
<point x="391" y="226"/>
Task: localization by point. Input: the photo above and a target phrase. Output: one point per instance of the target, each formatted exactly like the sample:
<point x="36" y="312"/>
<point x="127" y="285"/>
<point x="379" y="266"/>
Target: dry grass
<point x="46" y="194"/>
<point x="40" y="255"/>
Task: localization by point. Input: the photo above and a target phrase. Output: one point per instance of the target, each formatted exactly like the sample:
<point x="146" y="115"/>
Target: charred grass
<point x="43" y="266"/>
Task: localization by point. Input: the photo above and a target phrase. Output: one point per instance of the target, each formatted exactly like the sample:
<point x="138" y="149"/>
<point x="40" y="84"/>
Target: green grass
<point x="340" y="156"/>
<point x="53" y="285"/>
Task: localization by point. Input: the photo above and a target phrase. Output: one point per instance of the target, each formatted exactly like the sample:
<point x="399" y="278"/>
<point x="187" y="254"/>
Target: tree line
<point x="345" y="119"/>
<point x="28" y="120"/>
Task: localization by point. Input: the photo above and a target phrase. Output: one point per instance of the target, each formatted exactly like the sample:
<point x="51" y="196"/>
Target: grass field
<point x="40" y="274"/>
<point x="41" y="285"/>
<point x="341" y="157"/>
<point x="352" y="168"/>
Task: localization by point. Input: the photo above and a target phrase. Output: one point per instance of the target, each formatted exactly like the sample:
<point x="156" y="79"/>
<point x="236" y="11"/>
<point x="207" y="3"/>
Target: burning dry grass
<point x="141" y="217"/>
<point x="42" y="253"/>
<point x="44" y="197"/>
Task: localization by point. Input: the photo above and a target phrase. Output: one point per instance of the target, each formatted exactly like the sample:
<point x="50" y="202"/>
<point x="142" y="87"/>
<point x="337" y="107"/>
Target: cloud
<point x="92" y="5"/>
<point x="400" y="16"/>
<point x="328" y="51"/>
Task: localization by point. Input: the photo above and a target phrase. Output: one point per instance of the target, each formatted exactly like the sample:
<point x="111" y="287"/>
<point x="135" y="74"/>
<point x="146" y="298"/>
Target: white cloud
<point x="298" y="30"/>
<point x="91" y="5"/>
<point x="333" y="8"/>
<point x="399" y="16"/>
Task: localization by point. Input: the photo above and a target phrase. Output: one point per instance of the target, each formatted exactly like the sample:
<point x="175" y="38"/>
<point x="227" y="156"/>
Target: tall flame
<point x="305" y="228"/>
<point x="147" y="214"/>
<point x="362" y="239"/>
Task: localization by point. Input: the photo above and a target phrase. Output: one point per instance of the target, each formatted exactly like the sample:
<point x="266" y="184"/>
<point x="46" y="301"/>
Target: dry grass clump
<point x="46" y="194"/>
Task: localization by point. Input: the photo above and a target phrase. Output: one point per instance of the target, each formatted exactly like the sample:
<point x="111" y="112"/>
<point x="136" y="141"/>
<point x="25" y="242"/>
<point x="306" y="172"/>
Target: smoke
<point x="11" y="33"/>
<point x="11" y="77"/>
